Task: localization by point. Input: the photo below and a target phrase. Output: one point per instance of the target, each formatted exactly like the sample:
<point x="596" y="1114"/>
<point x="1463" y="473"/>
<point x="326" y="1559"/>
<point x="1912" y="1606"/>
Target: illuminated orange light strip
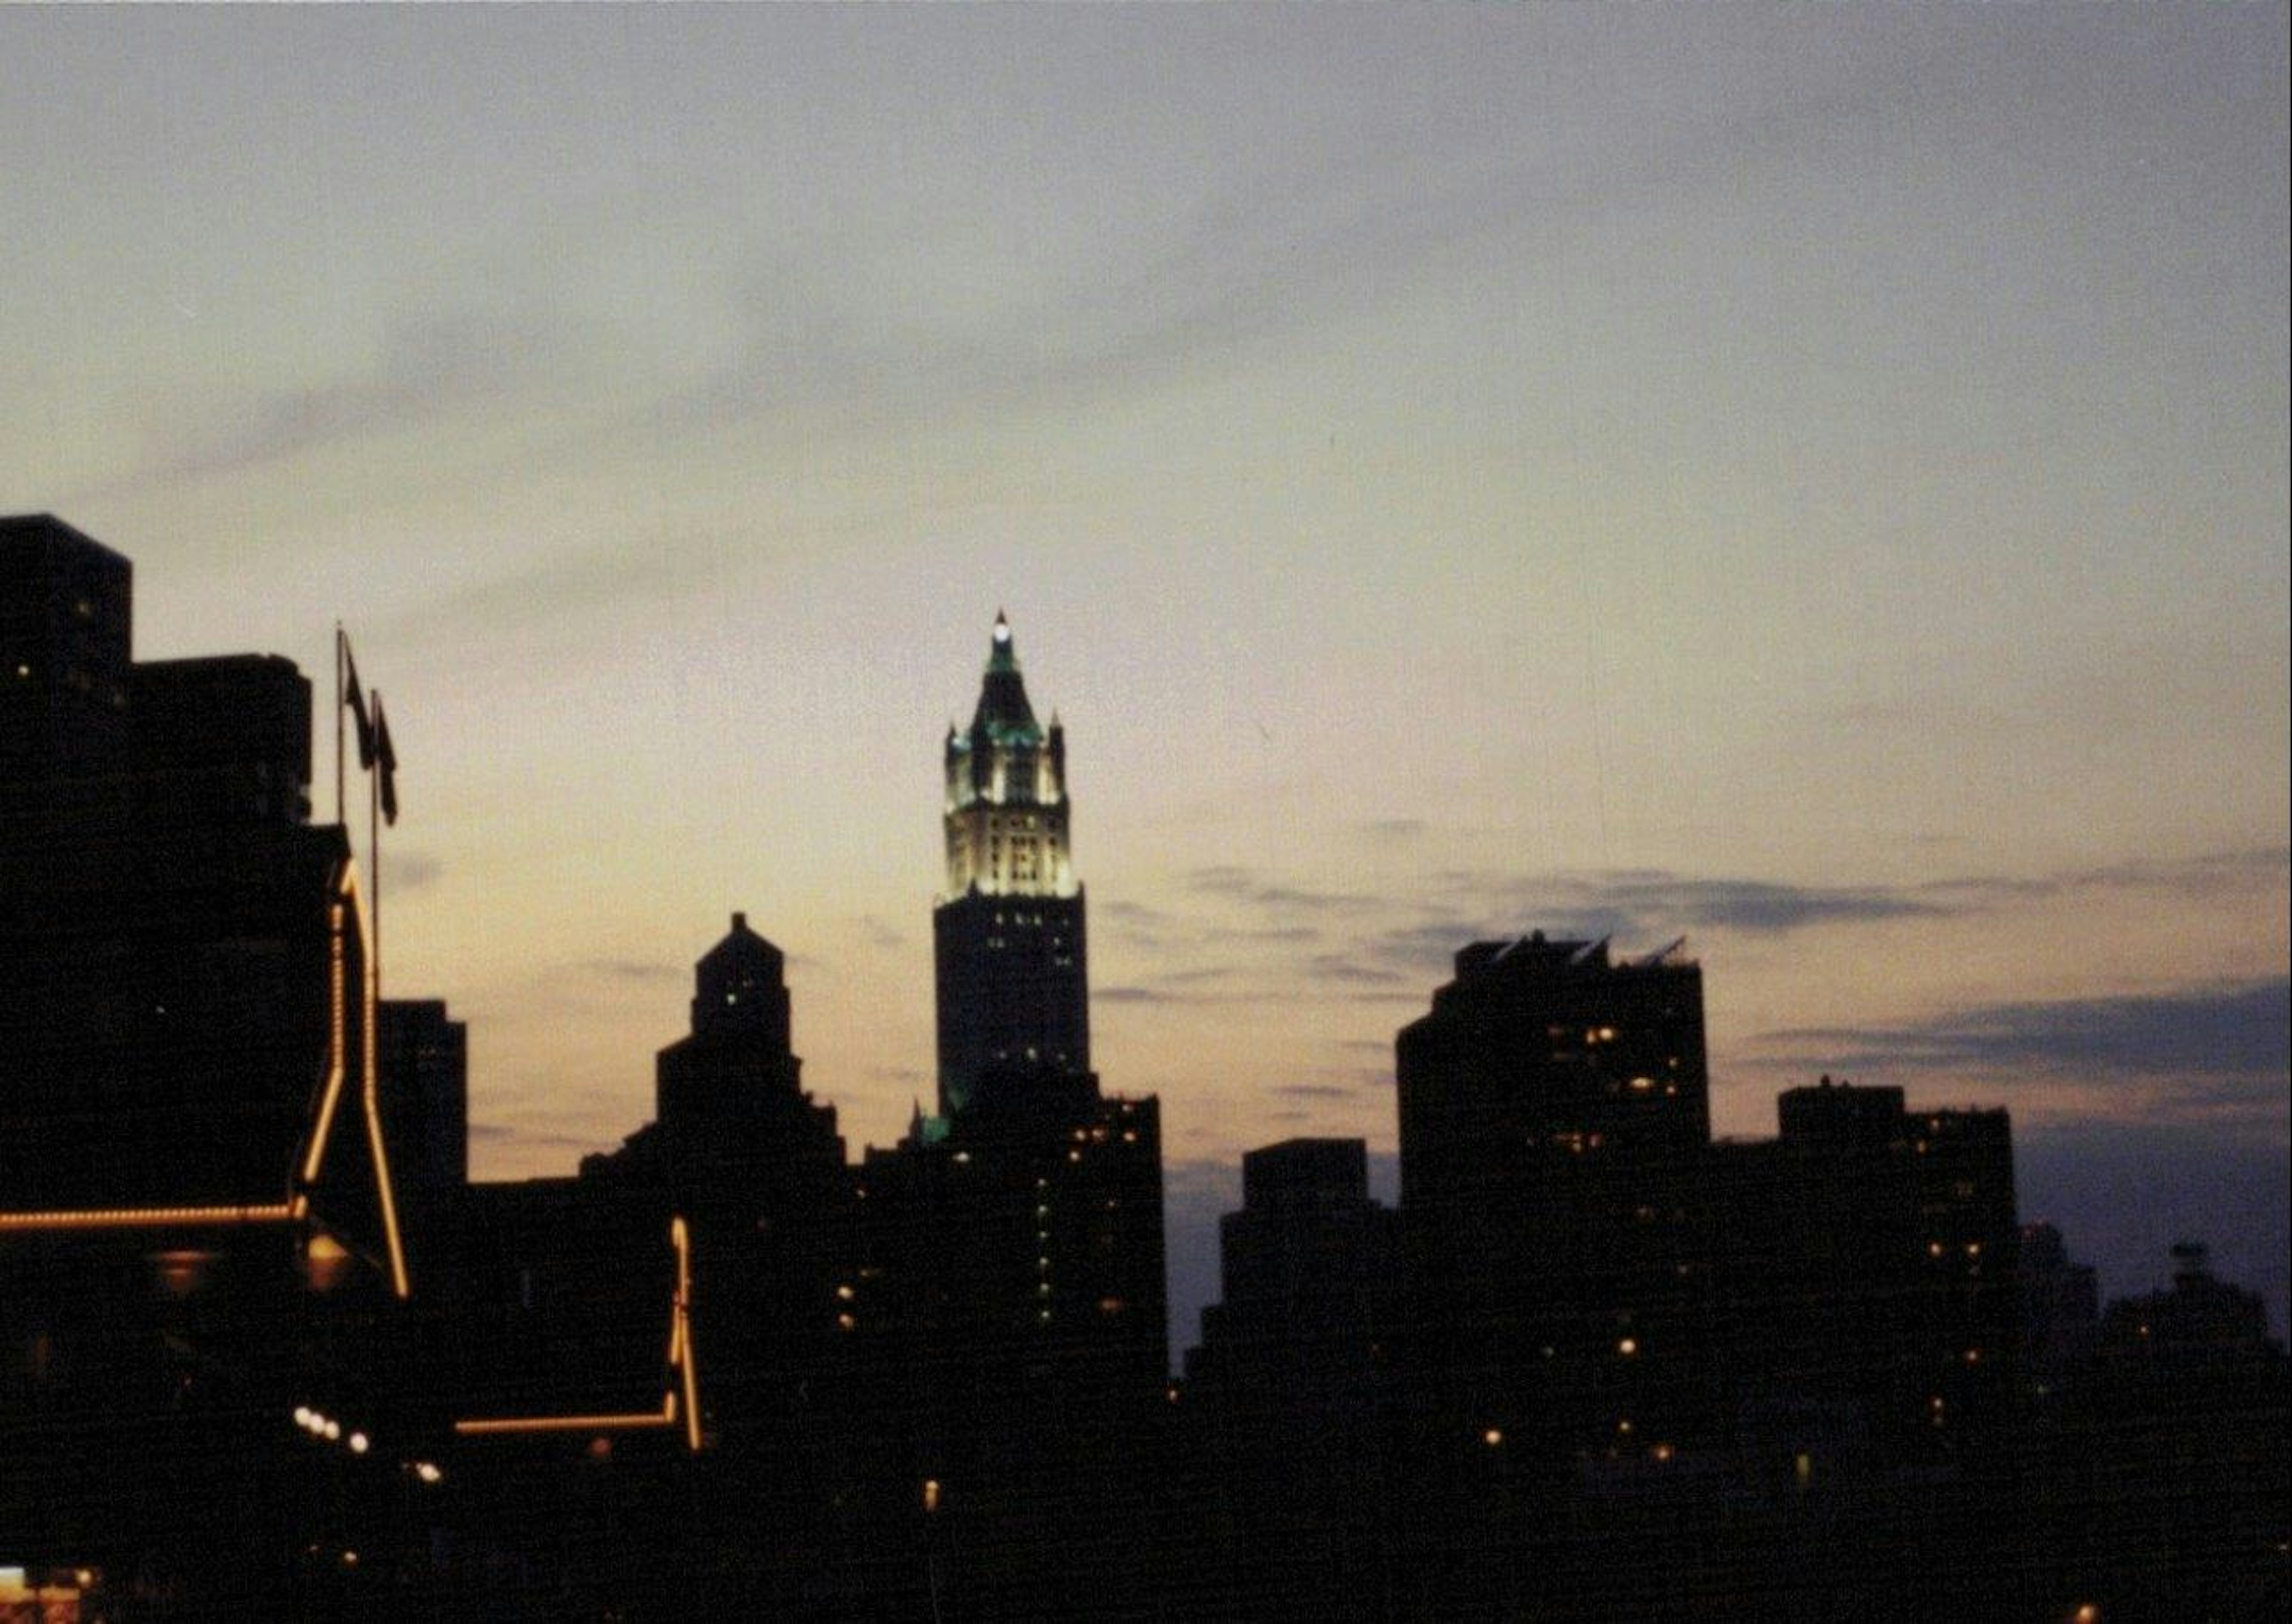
<point x="681" y="1337"/>
<point x="372" y="1097"/>
<point x="679" y="1359"/>
<point x="133" y="1217"/>
<point x="665" y="1416"/>
<point x="298" y="1205"/>
<point x="337" y="1019"/>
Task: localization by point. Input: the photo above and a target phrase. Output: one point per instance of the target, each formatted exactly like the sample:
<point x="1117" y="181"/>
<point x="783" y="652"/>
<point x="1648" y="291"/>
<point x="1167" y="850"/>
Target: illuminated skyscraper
<point x="1013" y="992"/>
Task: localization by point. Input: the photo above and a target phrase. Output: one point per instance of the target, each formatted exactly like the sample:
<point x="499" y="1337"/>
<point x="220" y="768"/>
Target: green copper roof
<point x="1003" y="713"/>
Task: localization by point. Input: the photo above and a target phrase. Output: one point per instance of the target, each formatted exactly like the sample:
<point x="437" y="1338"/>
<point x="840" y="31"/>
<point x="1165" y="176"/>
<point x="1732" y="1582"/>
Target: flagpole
<point x="374" y="859"/>
<point x="338" y="730"/>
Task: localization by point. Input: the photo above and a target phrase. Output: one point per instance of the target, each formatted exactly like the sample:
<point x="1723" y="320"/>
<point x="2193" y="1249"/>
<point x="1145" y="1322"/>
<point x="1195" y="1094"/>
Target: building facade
<point x="1284" y="1398"/>
<point x="1008" y="933"/>
<point x="1554" y="1116"/>
<point x="202" y="1275"/>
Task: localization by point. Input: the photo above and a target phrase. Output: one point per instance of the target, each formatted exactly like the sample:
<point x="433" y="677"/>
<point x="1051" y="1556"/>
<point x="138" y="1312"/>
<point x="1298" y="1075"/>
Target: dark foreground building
<point x="208" y="1397"/>
<point x="1285" y="1400"/>
<point x="1554" y="1120"/>
<point x="1012" y="1253"/>
<point x="664" y="1379"/>
<point x="2160" y="1481"/>
<point x="264" y="1353"/>
<point x="1643" y="1374"/>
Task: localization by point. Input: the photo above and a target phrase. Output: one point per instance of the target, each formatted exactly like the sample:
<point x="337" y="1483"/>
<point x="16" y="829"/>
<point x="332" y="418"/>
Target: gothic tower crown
<point x="1007" y="793"/>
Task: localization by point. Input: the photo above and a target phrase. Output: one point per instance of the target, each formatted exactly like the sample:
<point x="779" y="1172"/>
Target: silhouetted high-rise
<point x="1013" y="990"/>
<point x="1870" y="1267"/>
<point x="1553" y="1118"/>
<point x="757" y="1166"/>
<point x="1284" y="1392"/>
<point x="197" y="1226"/>
<point x="424" y="1060"/>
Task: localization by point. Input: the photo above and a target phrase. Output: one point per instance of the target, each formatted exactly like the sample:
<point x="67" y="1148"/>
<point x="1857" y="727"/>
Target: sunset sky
<point x="1811" y="480"/>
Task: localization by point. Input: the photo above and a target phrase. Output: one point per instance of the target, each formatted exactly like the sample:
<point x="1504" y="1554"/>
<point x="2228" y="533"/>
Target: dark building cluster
<point x="267" y="1351"/>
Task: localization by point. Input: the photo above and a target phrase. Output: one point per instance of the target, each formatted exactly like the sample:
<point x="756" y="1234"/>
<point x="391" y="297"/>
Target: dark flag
<point x="385" y="759"/>
<point x="354" y="697"/>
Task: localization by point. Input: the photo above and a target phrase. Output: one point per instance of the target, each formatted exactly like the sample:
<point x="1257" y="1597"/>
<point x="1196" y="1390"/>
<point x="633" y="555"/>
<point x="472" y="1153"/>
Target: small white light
<point x="358" y="1442"/>
<point x="332" y="1431"/>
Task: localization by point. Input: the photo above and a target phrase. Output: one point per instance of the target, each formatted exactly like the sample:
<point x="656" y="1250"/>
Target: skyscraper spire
<point x="1003" y="712"/>
<point x="1009" y="928"/>
<point x="1006" y="801"/>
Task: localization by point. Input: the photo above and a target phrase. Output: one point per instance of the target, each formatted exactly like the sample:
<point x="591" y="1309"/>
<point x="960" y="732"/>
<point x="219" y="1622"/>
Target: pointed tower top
<point x="1003" y="708"/>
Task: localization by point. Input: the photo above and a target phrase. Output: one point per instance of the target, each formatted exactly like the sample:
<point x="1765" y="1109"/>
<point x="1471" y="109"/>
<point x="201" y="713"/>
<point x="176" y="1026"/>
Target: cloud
<point x="1245" y="886"/>
<point x="1253" y="259"/>
<point x="1313" y="1091"/>
<point x="1343" y="968"/>
<point x="413" y="870"/>
<point x="605" y="577"/>
<point x="1134" y="995"/>
<point x="1131" y="913"/>
<point x="424" y="368"/>
<point x="1656" y="902"/>
<point x="1394" y="949"/>
<point x="646" y="971"/>
<point x="1394" y="831"/>
<point x="2206" y="874"/>
<point x="509" y="1134"/>
<point x="1410" y="939"/>
<point x="1459" y="906"/>
<point x="1304" y="944"/>
<point x="2203" y="1050"/>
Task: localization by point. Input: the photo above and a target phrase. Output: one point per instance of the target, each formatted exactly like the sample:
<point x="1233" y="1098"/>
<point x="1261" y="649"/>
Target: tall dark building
<point x="200" y="1237"/>
<point x="154" y="851"/>
<point x="1284" y="1394"/>
<point x="1554" y="1120"/>
<point x="1013" y="992"/>
<point x="1013" y="1265"/>
<point x="735" y="1423"/>
<point x="423" y="1059"/>
<point x="755" y="1166"/>
<point x="65" y="613"/>
<point x="1871" y="1266"/>
<point x="2162" y="1487"/>
<point x="2060" y="1305"/>
<point x="730" y="1096"/>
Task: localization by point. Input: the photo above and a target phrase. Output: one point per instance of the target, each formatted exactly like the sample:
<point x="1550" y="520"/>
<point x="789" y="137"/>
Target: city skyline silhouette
<point x="1797" y="494"/>
<point x="939" y="1373"/>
